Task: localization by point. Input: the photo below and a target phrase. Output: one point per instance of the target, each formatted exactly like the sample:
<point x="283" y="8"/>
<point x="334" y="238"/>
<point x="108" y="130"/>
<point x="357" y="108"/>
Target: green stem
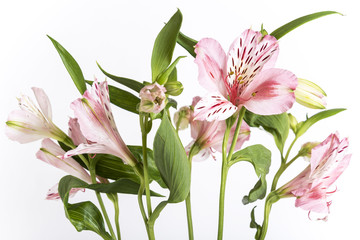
<point x="266" y="219"/>
<point x="143" y="125"/>
<point x="117" y="213"/>
<point x="150" y="231"/>
<point x="224" y="172"/>
<point x="101" y="203"/>
<point x="225" y="166"/>
<point x="188" y="200"/>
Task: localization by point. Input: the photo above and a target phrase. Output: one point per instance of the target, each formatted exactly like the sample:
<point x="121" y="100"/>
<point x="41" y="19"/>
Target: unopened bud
<point x="174" y="88"/>
<point x="293" y="122"/>
<point x="306" y="148"/>
<point x="310" y="95"/>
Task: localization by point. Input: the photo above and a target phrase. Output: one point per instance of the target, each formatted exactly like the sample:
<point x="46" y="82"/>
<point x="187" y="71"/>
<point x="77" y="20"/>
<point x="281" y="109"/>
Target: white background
<point x="119" y="35"/>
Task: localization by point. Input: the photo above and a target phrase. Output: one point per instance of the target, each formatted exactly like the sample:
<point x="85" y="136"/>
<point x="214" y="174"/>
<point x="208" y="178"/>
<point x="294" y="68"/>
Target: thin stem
<point x="265" y="224"/>
<point x="101" y="203"/>
<point x="188" y="200"/>
<point x="117" y="213"/>
<point x="288" y="151"/>
<point x="224" y="172"/>
<point x="189" y="217"/>
<point x="236" y="133"/>
<point x="150" y="231"/>
<point x="143" y="125"/>
<point x="282" y="168"/>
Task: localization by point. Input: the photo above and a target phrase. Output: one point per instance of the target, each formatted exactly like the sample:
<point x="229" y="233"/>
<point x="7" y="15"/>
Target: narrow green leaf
<point x="130" y="83"/>
<point x="283" y="30"/>
<point x="277" y="125"/>
<point x="187" y="43"/>
<point x="164" y="76"/>
<point x="260" y="157"/>
<point x="173" y="76"/>
<point x="122" y="98"/>
<point x="125" y="186"/>
<point x="171" y="160"/>
<point x="304" y="126"/>
<point x="164" y="45"/>
<point x="71" y="66"/>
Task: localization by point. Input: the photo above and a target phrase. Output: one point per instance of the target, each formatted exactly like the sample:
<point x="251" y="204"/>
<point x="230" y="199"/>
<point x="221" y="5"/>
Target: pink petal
<point x="53" y="193"/>
<point x="214" y="107"/>
<point x="50" y="153"/>
<point x="271" y="92"/>
<point x="75" y="132"/>
<point x="247" y="56"/>
<point x="24" y="127"/>
<point x="314" y="200"/>
<point x="43" y="101"/>
<point x="211" y="60"/>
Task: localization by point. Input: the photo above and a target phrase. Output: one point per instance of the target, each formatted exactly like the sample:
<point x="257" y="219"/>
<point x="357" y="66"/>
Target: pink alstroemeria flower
<point x="328" y="161"/>
<point x="243" y="77"/>
<point x="209" y="135"/>
<point x="50" y="153"/>
<point x="30" y="122"/>
<point x="96" y="121"/>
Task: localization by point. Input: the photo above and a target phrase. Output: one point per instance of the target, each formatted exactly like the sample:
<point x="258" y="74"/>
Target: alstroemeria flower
<point x="243" y="77"/>
<point x="50" y="153"/>
<point x="30" y="122"/>
<point x="183" y="115"/>
<point x="75" y="132"/>
<point x="152" y="98"/>
<point x="97" y="124"/>
<point x="311" y="187"/>
<point x="209" y="135"/>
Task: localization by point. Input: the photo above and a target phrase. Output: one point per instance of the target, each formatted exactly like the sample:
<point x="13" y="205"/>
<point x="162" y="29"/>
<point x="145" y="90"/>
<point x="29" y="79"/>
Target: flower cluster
<point x="245" y="91"/>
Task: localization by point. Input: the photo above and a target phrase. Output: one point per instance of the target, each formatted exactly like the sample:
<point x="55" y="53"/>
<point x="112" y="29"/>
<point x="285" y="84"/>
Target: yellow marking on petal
<point x="253" y="94"/>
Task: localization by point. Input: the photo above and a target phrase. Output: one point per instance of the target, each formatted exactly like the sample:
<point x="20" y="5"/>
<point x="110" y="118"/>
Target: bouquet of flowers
<point x="245" y="91"/>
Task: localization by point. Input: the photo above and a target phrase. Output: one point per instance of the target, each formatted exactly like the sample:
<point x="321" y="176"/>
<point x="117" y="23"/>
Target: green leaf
<point x="71" y="66"/>
<point x="122" y="98"/>
<point x="164" y="45"/>
<point x="283" y="30"/>
<point x="260" y="157"/>
<point x="187" y="43"/>
<point x="130" y="83"/>
<point x="125" y="186"/>
<point x="173" y="76"/>
<point x="112" y="167"/>
<point x="304" y="126"/>
<point x="277" y="125"/>
<point x="171" y="160"/>
<point x="83" y="215"/>
<point x="164" y="76"/>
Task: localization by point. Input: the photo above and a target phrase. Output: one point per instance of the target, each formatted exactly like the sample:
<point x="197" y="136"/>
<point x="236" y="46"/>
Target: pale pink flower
<point x="97" y="124"/>
<point x="311" y="187"/>
<point x="152" y="98"/>
<point x="30" y="122"/>
<point x="209" y="135"/>
<point x="50" y="153"/>
<point x="243" y="77"/>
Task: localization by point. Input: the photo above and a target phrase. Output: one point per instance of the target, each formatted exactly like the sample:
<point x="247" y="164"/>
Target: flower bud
<point x="293" y="122"/>
<point x="152" y="98"/>
<point x="306" y="148"/>
<point x="174" y="88"/>
<point x="182" y="118"/>
<point x="310" y="95"/>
